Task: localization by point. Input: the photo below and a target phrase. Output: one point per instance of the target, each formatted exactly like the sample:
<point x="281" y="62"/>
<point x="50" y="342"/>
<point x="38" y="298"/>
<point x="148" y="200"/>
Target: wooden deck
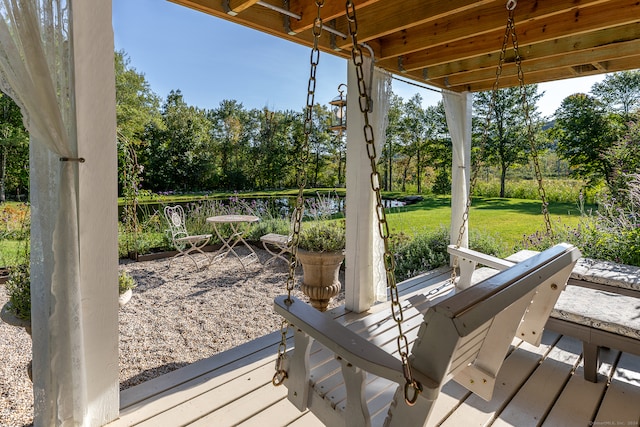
<point x="537" y="386"/>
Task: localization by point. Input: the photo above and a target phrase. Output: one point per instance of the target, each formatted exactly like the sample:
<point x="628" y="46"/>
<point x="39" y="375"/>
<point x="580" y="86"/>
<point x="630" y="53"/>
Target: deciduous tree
<point x="14" y="149"/>
<point x="506" y="140"/>
<point x="619" y="92"/>
<point x="584" y="135"/>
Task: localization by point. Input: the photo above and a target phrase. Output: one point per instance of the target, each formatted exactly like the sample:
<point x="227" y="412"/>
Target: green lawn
<point x="506" y="219"/>
<point x="10" y="251"/>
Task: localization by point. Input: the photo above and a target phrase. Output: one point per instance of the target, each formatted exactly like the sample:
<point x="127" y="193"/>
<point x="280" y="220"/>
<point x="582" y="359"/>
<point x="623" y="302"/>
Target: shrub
<point x="125" y="282"/>
<point x="14" y="221"/>
<point x="423" y="252"/>
<point x="428" y="250"/>
<point x="323" y="236"/>
<point x="18" y="288"/>
<point x="273" y="225"/>
<point x="612" y="233"/>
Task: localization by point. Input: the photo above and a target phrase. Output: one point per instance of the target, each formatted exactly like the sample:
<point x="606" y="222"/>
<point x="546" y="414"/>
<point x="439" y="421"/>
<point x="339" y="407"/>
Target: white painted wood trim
<point x="97" y="183"/>
<point x="359" y="254"/>
<point x="479" y="257"/>
<point x="340" y="340"/>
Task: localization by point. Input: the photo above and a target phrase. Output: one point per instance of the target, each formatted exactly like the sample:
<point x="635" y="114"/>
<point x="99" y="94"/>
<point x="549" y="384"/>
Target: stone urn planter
<point x="320" y="276"/>
<point x="126" y="283"/>
<point x="321" y="252"/>
<point x="124" y="297"/>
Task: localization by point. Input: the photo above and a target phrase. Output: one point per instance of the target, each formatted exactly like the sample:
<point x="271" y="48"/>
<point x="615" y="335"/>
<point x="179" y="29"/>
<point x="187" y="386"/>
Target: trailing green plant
<point x="125" y="282"/>
<point x="322" y="236"/>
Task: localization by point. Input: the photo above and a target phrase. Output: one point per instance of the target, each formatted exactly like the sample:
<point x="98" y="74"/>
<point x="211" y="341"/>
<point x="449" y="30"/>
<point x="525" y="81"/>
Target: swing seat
<point x="350" y="374"/>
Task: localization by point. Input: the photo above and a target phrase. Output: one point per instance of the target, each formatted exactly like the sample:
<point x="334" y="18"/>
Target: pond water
<point x="319" y="206"/>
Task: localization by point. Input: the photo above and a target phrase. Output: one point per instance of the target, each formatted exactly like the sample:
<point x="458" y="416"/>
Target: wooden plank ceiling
<point x="455" y="44"/>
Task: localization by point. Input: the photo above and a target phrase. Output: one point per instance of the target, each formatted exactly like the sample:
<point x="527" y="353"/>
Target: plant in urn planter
<point x="321" y="252"/>
<point x="126" y="283"/>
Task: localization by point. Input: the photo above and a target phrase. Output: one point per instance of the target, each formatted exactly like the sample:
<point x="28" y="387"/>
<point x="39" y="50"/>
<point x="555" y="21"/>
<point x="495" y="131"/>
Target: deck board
<point x="577" y="404"/>
<point x="280" y="413"/>
<point x="516" y="369"/>
<point x="217" y="400"/>
<point x="535" y="385"/>
<point x="537" y="396"/>
<point x="624" y="388"/>
<point x="245" y="407"/>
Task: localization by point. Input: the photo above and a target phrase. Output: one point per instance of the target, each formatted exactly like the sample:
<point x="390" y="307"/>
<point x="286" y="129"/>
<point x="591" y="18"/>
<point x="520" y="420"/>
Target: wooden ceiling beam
<point x="568" y="72"/>
<point x="582" y="21"/>
<point x="472" y="23"/>
<point x="542" y="76"/>
<point x="237" y="6"/>
<point x="455" y="44"/>
<point x="620" y="64"/>
<point x="331" y="10"/>
<point x="267" y="21"/>
<point x="575" y="59"/>
<point x="386" y="18"/>
<point x="561" y="46"/>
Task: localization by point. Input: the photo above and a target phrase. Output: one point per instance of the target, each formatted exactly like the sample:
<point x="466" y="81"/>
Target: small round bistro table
<point x="239" y="225"/>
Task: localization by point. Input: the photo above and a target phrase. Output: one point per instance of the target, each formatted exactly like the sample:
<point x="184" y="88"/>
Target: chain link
<point x="530" y="133"/>
<point x="301" y="176"/>
<point x="509" y="33"/>
<point x="411" y="386"/>
<point x="477" y="162"/>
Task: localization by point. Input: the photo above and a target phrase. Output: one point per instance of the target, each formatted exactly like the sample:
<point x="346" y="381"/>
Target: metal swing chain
<point x="510" y="32"/>
<point x="411" y="384"/>
<point x="281" y="374"/>
<point x="527" y="117"/>
<point x="475" y="166"/>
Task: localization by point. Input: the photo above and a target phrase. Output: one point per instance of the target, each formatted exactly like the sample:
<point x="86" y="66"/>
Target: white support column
<point x="458" y="109"/>
<point x="359" y="292"/>
<point x="96" y="134"/>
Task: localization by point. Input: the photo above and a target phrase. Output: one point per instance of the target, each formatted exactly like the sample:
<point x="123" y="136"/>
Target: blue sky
<point x="210" y="60"/>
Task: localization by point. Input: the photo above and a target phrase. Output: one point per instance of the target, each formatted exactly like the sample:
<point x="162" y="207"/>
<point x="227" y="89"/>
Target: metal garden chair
<point x="185" y="243"/>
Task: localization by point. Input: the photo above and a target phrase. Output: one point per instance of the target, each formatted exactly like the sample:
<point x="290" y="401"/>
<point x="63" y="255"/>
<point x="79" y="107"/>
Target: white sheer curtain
<point x="365" y="277"/>
<point x="458" y="109"/>
<point x="380" y="93"/>
<point x="36" y="71"/>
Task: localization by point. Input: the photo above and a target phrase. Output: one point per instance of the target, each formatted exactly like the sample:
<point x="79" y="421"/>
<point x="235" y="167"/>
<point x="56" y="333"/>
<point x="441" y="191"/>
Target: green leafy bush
<point x="428" y="250"/>
<point x="611" y="233"/>
<point x="18" y="288"/>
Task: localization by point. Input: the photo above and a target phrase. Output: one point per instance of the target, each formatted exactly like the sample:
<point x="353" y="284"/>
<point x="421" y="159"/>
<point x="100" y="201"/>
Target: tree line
<point x="176" y="147"/>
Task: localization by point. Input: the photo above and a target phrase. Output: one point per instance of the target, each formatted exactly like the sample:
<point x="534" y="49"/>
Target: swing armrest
<point x="342" y="341"/>
<point x="480" y="258"/>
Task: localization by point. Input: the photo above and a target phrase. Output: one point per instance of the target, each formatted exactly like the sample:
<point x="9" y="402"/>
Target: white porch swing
<point x="353" y="373"/>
